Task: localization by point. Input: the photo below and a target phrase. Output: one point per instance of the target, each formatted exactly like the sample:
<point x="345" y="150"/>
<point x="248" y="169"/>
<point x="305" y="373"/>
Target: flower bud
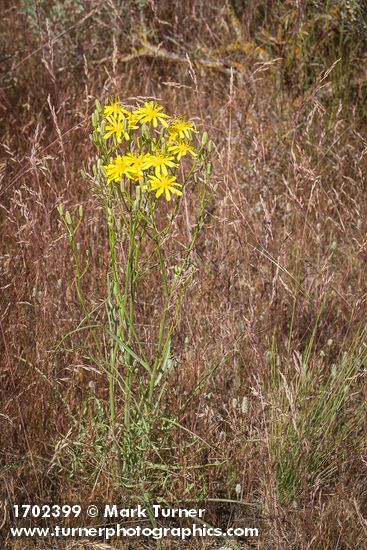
<point x="204" y="138"/>
<point x="95" y="119"/>
<point x="145" y="131"/>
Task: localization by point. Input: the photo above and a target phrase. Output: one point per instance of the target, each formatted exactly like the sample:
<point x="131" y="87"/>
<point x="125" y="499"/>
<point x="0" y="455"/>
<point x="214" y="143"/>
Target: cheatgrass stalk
<point x="146" y="161"/>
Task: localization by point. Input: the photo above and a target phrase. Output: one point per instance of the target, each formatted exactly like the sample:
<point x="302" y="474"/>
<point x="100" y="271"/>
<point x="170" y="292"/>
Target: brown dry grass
<point x="285" y="237"/>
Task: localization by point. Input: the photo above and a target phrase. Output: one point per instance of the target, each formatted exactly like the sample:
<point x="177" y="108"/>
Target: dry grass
<point x="284" y="245"/>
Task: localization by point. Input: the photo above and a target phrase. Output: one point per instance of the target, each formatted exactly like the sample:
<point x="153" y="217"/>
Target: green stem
<point x="166" y="295"/>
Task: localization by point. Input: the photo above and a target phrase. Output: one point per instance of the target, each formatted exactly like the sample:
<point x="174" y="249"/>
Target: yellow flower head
<point x="172" y="136"/>
<point x="164" y="184"/>
<point x="138" y="165"/>
<point x="132" y="120"/>
<point x="114" y="108"/>
<point x="181" y="149"/>
<point x="116" y="126"/>
<point x="151" y="112"/>
<point x="160" y="161"/>
<point x="116" y="170"/>
<point x="182" y="128"/>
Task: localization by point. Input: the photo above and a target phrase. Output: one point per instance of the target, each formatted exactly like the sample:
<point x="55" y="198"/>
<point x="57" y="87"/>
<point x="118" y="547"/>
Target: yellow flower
<point x="181" y="149"/>
<point x="121" y="166"/>
<point x="172" y="136"/>
<point x="182" y="128"/>
<point x="151" y="112"/>
<point x="114" y="108"/>
<point x="138" y="165"/>
<point x="116" y="126"/>
<point x="161" y="161"/>
<point x="164" y="184"/>
<point x="132" y="120"/>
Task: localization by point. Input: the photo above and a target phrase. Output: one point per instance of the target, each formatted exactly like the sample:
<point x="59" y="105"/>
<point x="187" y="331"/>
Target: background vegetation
<point x="269" y="356"/>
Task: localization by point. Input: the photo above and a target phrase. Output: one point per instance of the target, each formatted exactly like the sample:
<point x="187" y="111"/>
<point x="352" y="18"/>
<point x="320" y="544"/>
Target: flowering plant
<point x="144" y="157"/>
